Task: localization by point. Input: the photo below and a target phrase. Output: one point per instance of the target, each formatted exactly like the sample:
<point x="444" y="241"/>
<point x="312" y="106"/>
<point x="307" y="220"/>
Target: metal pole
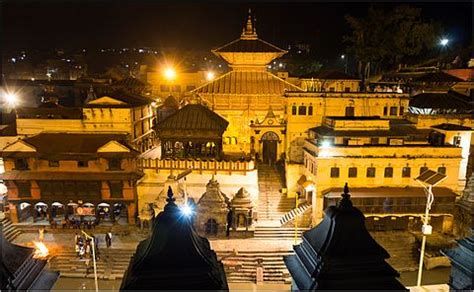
<point x="423" y="241"/>
<point x="94" y="261"/>
<point x="296" y="219"/>
<point x="185" y="191"/>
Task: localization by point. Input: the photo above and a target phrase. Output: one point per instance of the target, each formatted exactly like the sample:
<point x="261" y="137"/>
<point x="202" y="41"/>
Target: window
<point x="457" y="141"/>
<point x="352" y="171"/>
<point x="53" y="163"/>
<point x="293" y="110"/>
<point x="347" y="89"/>
<point x="116" y="189"/>
<point x="423" y="169"/>
<point x="406" y="172"/>
<point x="115" y="164"/>
<point x="334" y="172"/>
<point x="385" y="110"/>
<point x="176" y="88"/>
<point x="24" y="188"/>
<point x="349" y="111"/>
<point x="393" y="110"/>
<point x="345" y="141"/>
<point x="388" y="172"/>
<point x="21" y="164"/>
<point x="310" y="110"/>
<point x="402" y="110"/>
<point x="332" y="89"/>
<point x="370" y="171"/>
<point x="374" y="140"/>
<point x="190" y="87"/>
<point x="164" y="88"/>
<point x="442" y="169"/>
<point x="82" y="163"/>
<point x="302" y="110"/>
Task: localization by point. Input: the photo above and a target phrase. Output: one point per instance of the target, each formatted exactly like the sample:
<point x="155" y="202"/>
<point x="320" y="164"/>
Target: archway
<point x="211" y="227"/>
<point x="270" y="146"/>
<point x="41" y="210"/>
<point x="25" y="212"/>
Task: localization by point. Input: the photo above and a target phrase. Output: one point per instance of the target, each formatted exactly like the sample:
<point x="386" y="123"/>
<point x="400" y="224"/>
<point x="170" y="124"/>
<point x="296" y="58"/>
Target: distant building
<point x="330" y="81"/>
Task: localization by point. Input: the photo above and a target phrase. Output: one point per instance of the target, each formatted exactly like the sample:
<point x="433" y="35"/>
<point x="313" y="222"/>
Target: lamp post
<point x="170" y="75"/>
<point x="428" y="179"/>
<point x="344" y="59"/>
<point x="93" y="258"/>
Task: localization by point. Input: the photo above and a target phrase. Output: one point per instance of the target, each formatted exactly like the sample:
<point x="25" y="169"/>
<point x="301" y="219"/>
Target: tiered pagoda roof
<point x="193" y="119"/>
<point x="175" y="257"/>
<point x="340" y="254"/>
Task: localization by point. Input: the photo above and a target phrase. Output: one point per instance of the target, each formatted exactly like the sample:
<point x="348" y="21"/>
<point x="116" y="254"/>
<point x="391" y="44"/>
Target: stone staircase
<point x="402" y="248"/>
<point x="10" y="232"/>
<point x="272" y="204"/>
<point x="290" y="216"/>
<point x="112" y="264"/>
<point x="242" y="267"/>
<point x="277" y="232"/>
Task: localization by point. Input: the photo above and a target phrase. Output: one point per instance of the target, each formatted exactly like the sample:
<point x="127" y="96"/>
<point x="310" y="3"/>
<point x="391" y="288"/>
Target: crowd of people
<point x="83" y="247"/>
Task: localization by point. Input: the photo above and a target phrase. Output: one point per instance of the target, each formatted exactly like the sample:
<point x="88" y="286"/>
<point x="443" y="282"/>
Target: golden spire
<point x="249" y="32"/>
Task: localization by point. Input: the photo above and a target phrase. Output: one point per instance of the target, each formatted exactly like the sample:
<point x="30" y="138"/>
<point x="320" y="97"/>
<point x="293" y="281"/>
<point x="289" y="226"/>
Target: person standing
<point x="108" y="239"/>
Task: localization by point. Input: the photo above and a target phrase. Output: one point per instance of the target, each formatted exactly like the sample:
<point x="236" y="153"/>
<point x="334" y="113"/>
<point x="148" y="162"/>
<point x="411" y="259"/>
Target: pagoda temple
<point x="246" y="93"/>
<point x="174" y="257"/>
<point x="340" y="254"/>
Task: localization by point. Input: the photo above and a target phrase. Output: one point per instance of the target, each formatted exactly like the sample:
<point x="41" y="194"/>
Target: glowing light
<point x="11" y="99"/>
<point x="41" y="251"/>
<point x="325" y="144"/>
<point x="3" y="189"/>
<point x="187" y="210"/>
<point x="444" y="42"/>
<point x="210" y="76"/>
<point x="343" y="56"/>
<point x="170" y="74"/>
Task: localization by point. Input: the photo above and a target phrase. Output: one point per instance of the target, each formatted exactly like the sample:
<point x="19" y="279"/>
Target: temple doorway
<point x="211" y="227"/>
<point x="270" y="140"/>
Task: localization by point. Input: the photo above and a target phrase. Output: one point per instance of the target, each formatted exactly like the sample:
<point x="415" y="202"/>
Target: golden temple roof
<point x="247" y="82"/>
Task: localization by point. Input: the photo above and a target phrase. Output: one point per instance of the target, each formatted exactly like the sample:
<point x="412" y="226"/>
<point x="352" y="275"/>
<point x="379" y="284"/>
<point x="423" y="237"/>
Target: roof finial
<point x="249" y="31"/>
<point x="345" y="202"/>
<point x="170" y="199"/>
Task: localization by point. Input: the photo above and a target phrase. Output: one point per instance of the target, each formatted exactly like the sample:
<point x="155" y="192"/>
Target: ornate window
<point x="370" y="171"/>
<point x="310" y="110"/>
<point x="293" y="109"/>
<point x="385" y="110"/>
<point x="406" y="172"/>
<point x="423" y="169"/>
<point x="334" y="172"/>
<point x="21" y="164"/>
<point x="388" y="172"/>
<point x="24" y="188"/>
<point x="393" y="110"/>
<point x="82" y="163"/>
<point x="349" y="111"/>
<point x="442" y="169"/>
<point x="302" y="110"/>
<point x="116" y="188"/>
<point x="115" y="164"/>
<point x="352" y="171"/>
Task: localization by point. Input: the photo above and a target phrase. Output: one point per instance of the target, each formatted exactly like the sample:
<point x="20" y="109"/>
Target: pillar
<point x="14" y="213"/>
<point x="131" y="212"/>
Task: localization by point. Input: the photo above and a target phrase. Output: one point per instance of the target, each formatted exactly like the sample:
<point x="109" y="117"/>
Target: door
<point x="270" y="140"/>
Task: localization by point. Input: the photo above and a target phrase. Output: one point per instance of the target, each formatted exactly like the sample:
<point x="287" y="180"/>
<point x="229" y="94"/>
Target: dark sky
<point x="74" y="24"/>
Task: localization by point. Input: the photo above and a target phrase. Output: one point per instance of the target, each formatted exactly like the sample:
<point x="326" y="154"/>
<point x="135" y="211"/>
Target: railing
<point x="197" y="165"/>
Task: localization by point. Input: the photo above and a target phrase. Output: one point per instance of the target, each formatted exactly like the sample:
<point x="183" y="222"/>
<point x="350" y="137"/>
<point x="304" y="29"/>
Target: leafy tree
<point x="384" y="39"/>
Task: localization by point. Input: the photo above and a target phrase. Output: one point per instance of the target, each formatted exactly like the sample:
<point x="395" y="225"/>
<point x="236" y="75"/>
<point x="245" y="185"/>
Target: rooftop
<point x="329" y="75"/>
<point x="452" y="127"/>
<point x="449" y="100"/>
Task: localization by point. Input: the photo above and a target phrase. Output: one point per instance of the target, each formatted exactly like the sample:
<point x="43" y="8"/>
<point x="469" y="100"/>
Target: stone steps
<point x="262" y="232"/>
<point x="402" y="249"/>
<point x="10" y="232"/>
<point x="290" y="216"/>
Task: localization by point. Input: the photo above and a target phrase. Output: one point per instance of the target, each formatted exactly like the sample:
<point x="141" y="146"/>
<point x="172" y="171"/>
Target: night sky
<point x="189" y="25"/>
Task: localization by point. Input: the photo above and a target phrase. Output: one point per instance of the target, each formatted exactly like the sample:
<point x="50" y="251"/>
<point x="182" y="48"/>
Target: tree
<point x="384" y="39"/>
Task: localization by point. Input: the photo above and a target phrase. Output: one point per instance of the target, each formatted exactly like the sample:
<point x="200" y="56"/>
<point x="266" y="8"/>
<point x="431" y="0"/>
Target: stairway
<point x="277" y="232"/>
<point x="112" y="264"/>
<point x="290" y="216"/>
<point x="272" y="204"/>
<point x="241" y="267"/>
<point x="402" y="249"/>
<point x="10" y="232"/>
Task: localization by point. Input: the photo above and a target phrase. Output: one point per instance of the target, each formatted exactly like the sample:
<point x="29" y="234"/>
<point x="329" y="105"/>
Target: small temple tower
<point x="242" y="211"/>
<point x="340" y="254"/>
<point x="212" y="210"/>
<point x="174" y="257"/>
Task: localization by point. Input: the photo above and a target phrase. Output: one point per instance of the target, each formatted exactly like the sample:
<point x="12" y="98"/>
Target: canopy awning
<point x="335" y="193"/>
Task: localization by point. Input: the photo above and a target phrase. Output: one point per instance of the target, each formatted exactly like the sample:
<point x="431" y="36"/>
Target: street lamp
<point x="428" y="179"/>
<point x="93" y="258"/>
<point x="11" y="99"/>
<point x="210" y="76"/>
<point x="444" y="42"/>
<point x="170" y="75"/>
